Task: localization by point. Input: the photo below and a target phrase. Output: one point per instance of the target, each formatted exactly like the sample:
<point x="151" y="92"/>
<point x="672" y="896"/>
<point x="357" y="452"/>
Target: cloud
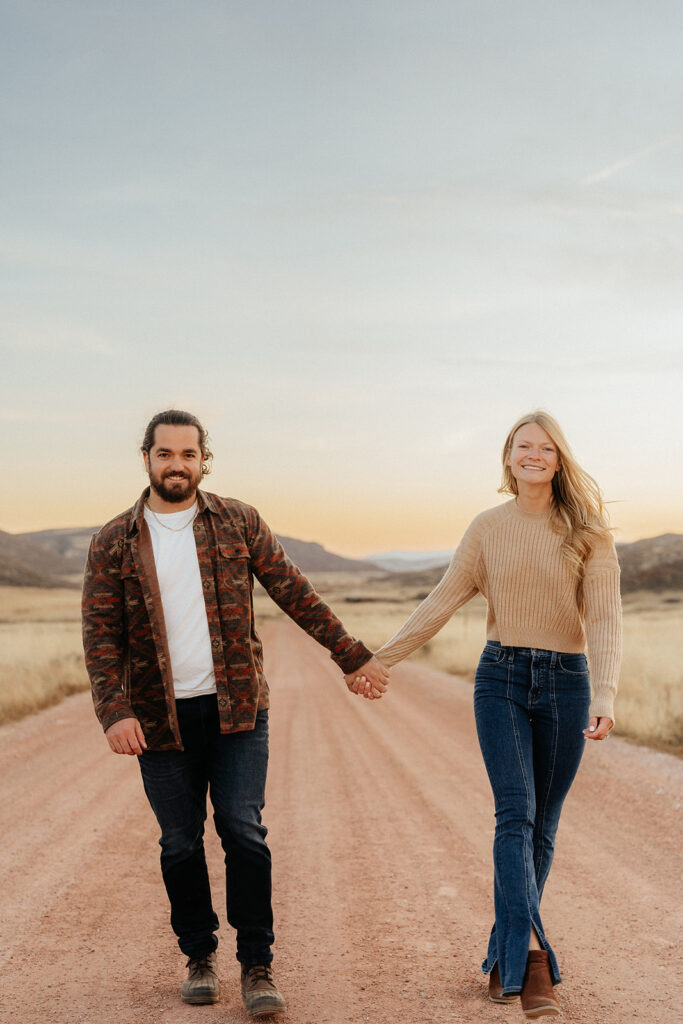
<point x="632" y="158"/>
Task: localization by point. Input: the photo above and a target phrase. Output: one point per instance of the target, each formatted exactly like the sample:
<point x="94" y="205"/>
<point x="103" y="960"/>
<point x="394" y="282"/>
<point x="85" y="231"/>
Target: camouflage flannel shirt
<point x="124" y="639"/>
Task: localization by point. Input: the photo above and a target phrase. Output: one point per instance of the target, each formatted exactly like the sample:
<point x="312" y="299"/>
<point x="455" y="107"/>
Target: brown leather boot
<point x="259" y="991"/>
<point x="496" y="989"/>
<point x="538" y="999"/>
<point x="201" y="984"/>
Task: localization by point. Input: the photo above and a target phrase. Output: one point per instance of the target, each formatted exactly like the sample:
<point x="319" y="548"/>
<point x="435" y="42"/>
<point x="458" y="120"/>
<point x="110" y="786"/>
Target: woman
<point x="545" y="561"/>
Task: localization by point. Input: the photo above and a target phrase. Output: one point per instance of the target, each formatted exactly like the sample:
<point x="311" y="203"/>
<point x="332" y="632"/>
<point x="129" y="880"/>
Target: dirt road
<point x="381" y="824"/>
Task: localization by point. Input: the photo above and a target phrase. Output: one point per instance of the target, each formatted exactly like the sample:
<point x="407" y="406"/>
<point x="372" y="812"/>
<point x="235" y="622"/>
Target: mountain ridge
<point x="46" y="557"/>
<point x="52" y="558"/>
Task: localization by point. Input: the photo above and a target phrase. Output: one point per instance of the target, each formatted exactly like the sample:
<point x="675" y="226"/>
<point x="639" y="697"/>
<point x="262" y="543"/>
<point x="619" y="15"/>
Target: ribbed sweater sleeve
<point x="454" y="590"/>
<point x="603" y="626"/>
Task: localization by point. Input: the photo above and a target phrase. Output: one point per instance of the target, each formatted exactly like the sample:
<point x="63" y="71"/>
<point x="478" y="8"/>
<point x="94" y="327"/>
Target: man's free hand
<point x="370" y="680"/>
<point x="126" y="737"/>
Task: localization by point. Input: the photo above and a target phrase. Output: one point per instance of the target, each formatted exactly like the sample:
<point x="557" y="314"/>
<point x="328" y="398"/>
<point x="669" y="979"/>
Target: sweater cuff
<point x="602" y="704"/>
<point x="388" y="659"/>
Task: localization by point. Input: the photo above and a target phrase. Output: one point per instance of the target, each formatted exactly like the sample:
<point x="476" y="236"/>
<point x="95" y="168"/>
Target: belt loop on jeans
<point x="511" y="654"/>
<point x="553" y="659"/>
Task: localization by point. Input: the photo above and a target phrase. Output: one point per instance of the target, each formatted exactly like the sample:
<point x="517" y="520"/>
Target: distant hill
<point x="410" y="561"/>
<point x="652" y="564"/>
<point x="44" y="557"/>
<point x="312" y="557"/>
<point x="72" y="544"/>
<point x="23" y="563"/>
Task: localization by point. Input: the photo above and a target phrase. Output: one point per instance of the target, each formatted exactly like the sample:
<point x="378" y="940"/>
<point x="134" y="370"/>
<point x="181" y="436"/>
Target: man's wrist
<point x="112" y="718"/>
<point x="356" y="656"/>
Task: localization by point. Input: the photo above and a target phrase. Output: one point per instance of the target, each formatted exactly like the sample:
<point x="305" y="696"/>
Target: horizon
<point x="357" y="555"/>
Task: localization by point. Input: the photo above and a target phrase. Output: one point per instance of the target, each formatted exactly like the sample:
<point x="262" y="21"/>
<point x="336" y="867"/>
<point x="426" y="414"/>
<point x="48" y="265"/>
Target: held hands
<point x="126" y="737"/>
<point x="598" y="728"/>
<point x="370" y="680"/>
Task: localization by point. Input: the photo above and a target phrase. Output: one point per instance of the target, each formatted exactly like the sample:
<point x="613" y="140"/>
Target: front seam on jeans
<point x="495" y="845"/>
<point x="551" y="773"/>
<point x="528" y="804"/>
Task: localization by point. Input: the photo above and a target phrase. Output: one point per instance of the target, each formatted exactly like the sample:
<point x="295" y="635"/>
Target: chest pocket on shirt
<point x="233" y="566"/>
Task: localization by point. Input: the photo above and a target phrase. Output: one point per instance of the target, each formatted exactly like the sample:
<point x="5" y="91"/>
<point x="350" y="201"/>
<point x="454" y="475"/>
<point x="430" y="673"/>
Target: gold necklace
<point x="173" y="529"/>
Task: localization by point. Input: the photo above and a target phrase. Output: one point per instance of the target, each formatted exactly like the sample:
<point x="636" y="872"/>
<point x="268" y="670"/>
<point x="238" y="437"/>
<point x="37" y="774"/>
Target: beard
<point x="174" y="491"/>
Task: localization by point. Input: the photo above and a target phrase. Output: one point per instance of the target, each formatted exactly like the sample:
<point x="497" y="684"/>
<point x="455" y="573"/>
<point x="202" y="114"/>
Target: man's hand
<point x="598" y="729"/>
<point x="126" y="737"/>
<point x="370" y="680"/>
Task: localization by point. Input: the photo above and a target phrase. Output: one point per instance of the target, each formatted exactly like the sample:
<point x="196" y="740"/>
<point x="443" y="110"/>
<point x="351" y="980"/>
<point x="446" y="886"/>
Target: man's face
<point x="174" y="463"/>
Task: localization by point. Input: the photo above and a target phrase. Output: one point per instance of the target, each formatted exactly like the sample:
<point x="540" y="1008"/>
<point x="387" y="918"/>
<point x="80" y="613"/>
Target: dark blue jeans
<point x="232" y="767"/>
<point x="530" y="708"/>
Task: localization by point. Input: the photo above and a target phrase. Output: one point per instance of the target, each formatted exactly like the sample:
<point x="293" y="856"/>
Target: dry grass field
<point x="41" y="659"/>
<point x="41" y="656"/>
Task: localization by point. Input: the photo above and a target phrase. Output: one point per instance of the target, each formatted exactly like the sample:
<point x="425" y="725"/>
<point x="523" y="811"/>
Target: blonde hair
<point x="578" y="513"/>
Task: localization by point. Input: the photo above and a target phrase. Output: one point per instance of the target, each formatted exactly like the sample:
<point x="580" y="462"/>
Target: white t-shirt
<point x="182" y="598"/>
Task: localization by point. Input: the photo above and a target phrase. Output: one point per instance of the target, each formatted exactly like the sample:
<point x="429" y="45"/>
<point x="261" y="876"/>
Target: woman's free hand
<point x="598" y="728"/>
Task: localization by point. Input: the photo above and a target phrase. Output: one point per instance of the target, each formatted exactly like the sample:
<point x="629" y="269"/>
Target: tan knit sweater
<point x="513" y="558"/>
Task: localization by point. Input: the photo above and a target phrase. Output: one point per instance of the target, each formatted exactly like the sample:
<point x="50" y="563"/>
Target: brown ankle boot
<point x="496" y="989"/>
<point x="260" y="993"/>
<point x="538" y="999"/>
<point x="201" y="984"/>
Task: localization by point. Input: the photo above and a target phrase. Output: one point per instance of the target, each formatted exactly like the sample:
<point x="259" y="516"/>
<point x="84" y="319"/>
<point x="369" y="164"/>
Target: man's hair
<point x="178" y="418"/>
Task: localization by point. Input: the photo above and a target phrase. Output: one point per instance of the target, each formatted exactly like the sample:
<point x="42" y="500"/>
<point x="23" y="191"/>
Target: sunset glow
<point x="358" y="264"/>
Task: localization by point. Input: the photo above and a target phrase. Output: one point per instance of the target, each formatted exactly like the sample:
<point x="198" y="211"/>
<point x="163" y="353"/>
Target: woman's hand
<point x="598" y="728"/>
<point x="370" y="680"/>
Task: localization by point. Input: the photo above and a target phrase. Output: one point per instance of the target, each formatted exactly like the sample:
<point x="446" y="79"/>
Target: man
<point x="177" y="678"/>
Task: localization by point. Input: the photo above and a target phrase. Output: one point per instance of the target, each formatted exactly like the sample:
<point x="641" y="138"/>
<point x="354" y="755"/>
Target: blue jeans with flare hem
<point x="531" y="707"/>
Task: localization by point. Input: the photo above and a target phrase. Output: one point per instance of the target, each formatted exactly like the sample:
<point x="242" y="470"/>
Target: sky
<point x="357" y="239"/>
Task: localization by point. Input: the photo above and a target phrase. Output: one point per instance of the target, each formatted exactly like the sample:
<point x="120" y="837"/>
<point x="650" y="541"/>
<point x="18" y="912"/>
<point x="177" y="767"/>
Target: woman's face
<point x="533" y="457"/>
